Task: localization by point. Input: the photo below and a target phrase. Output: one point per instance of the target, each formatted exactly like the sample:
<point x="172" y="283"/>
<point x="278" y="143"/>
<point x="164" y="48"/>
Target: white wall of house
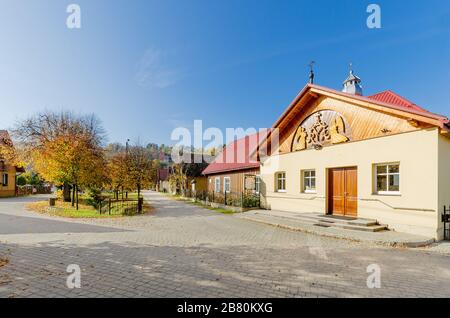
<point x="424" y="179"/>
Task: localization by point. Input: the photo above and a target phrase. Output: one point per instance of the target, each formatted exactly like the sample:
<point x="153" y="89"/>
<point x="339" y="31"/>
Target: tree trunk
<point x="76" y="187"/>
<point x="139" y="190"/>
<point x="66" y="192"/>
<point x="73" y="195"/>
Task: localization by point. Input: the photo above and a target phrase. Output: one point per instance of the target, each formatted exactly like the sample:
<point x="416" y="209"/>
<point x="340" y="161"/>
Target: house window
<point x="309" y="181"/>
<point x="281" y="182"/>
<point x="388" y="178"/>
<point x="217" y="185"/>
<point x="257" y="184"/>
<point x="226" y="184"/>
<point x="5" y="179"/>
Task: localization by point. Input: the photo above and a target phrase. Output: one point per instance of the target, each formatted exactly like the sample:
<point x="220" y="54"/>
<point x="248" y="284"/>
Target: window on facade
<point x="217" y="185"/>
<point x="227" y="184"/>
<point x="309" y="181"/>
<point x="5" y="179"/>
<point x="388" y="178"/>
<point x="281" y="182"/>
<point x="257" y="184"/>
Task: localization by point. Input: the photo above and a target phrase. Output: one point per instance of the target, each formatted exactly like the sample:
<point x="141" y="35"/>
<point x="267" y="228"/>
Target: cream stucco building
<point x="379" y="157"/>
<point x="8" y="171"/>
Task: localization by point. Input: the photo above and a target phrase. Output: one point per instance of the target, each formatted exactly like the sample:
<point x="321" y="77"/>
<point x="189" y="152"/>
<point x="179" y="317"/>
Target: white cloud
<point x="153" y="70"/>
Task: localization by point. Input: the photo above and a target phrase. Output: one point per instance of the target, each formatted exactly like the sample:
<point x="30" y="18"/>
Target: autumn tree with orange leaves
<point x="118" y="177"/>
<point x="131" y="169"/>
<point x="65" y="149"/>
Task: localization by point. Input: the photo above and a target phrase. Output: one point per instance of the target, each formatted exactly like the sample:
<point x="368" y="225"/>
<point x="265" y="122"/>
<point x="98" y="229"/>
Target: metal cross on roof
<point x="311" y="72"/>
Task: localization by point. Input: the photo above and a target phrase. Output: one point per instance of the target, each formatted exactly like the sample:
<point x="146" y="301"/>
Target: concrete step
<point x="357" y="224"/>
<point x="384" y="238"/>
<point x="365" y="228"/>
<point x="338" y="220"/>
<point x="350" y="221"/>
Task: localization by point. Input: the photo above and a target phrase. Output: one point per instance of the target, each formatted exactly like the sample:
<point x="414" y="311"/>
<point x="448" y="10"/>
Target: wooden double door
<point x="343" y="192"/>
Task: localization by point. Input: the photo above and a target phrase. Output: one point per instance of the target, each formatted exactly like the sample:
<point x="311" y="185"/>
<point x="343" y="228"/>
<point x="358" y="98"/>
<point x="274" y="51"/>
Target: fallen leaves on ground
<point x="3" y="262"/>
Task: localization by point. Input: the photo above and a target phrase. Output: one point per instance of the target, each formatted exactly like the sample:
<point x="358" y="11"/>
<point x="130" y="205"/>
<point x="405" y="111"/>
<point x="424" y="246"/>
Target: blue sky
<point x="145" y="67"/>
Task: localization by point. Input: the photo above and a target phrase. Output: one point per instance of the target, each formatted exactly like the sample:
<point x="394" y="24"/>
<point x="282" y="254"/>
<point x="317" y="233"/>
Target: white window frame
<point x="5" y="179"/>
<point x="387" y="174"/>
<point x="257" y="184"/>
<point x="304" y="178"/>
<point x="277" y="178"/>
<point x="225" y="179"/>
<point x="217" y="184"/>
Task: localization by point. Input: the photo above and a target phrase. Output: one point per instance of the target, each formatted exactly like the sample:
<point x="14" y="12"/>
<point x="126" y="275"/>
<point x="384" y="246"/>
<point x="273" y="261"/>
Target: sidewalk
<point x="385" y="238"/>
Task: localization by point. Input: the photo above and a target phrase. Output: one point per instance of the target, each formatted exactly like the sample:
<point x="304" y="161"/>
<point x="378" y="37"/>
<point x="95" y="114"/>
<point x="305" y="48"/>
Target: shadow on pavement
<point x="135" y="270"/>
<point x="12" y="224"/>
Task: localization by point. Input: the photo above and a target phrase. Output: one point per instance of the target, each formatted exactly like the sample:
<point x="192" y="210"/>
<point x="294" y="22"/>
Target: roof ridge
<point x="414" y="110"/>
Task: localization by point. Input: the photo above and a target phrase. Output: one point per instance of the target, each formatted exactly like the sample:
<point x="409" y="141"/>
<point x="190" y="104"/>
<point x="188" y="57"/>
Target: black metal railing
<point x="235" y="199"/>
<point x="121" y="207"/>
<point x="446" y="220"/>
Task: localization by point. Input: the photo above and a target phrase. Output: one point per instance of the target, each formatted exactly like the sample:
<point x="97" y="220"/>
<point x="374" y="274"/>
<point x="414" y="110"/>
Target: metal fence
<point x="235" y="199"/>
<point x="29" y="189"/>
<point x="121" y="207"/>
<point x="446" y="220"/>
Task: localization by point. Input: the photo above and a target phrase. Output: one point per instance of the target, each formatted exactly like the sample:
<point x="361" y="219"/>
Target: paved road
<point x="181" y="250"/>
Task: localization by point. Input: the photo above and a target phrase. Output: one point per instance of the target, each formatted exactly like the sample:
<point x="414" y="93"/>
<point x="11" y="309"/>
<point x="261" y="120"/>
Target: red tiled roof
<point x="236" y="156"/>
<point x="390" y="97"/>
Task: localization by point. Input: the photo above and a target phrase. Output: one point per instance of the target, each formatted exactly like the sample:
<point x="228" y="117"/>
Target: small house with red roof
<point x="8" y="170"/>
<point x="236" y="168"/>
<point x="343" y="154"/>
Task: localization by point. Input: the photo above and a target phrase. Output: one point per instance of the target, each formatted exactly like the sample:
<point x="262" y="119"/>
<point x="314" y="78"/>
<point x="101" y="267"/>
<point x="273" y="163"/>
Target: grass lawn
<point x="220" y="210"/>
<point x="65" y="209"/>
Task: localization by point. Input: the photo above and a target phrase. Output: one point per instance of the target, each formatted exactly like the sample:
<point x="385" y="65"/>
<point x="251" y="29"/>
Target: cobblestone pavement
<point x="181" y="250"/>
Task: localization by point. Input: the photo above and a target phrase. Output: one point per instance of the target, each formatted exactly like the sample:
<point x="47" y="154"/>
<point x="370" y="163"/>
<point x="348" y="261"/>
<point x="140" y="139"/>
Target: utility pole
<point x="126" y="145"/>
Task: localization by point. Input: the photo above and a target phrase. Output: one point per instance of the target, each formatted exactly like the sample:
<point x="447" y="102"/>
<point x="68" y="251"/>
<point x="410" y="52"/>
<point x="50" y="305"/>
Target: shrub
<point x="251" y="202"/>
<point x="21" y="180"/>
<point x="93" y="197"/>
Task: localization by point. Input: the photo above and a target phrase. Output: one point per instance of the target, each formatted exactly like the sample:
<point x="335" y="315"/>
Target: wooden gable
<point x="320" y="120"/>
